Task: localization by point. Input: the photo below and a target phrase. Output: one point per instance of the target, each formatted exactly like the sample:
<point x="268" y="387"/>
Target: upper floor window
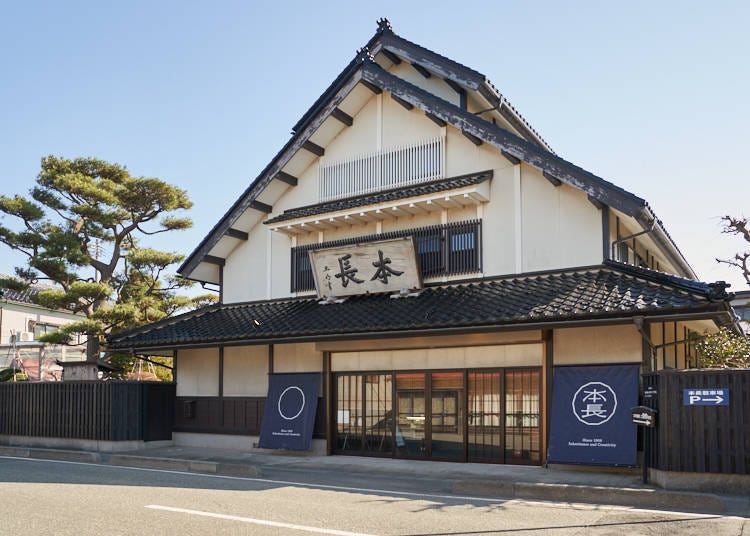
<point x="382" y="170"/>
<point x="450" y="249"/>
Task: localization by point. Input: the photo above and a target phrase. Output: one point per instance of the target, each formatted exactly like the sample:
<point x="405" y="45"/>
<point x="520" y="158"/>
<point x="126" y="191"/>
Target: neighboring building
<point x="21" y="323"/>
<point x="527" y="262"/>
<point x="741" y="305"/>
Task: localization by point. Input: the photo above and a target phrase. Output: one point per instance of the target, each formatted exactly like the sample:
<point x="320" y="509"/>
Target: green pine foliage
<point x="81" y="229"/>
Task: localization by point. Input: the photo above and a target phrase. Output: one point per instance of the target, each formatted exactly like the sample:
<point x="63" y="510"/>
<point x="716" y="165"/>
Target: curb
<point x="51" y="454"/>
<point x="191" y="466"/>
<point x="640" y="498"/>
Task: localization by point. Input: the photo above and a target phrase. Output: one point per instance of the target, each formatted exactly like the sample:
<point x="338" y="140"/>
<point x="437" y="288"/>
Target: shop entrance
<point x="467" y="415"/>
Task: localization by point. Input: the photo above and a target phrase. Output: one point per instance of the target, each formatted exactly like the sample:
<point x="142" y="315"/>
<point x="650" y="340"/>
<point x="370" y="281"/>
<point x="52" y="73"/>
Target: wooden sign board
<point x="644" y="416"/>
<point x="374" y="267"/>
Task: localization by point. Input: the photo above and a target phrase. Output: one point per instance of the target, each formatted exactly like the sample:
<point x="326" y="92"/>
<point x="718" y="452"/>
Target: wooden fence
<point x="105" y="411"/>
<point x="706" y="439"/>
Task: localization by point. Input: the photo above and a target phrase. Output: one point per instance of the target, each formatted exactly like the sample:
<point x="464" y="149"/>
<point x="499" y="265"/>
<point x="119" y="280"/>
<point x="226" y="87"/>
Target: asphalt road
<point x="43" y="497"/>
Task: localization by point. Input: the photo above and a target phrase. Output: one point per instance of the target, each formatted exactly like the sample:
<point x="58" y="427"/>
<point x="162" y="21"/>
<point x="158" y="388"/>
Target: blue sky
<point x="652" y="96"/>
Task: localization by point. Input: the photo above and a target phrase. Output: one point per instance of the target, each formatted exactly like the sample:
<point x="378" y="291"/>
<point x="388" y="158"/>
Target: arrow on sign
<point x="717" y="400"/>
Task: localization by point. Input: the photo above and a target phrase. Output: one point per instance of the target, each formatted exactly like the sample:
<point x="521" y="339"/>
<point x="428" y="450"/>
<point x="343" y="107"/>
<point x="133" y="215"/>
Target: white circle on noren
<point x="302" y="406"/>
<point x="598" y="412"/>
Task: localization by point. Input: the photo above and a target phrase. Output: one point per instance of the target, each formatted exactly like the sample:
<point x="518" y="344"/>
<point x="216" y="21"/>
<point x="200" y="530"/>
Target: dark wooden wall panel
<point x="107" y="411"/>
<point x="710" y="439"/>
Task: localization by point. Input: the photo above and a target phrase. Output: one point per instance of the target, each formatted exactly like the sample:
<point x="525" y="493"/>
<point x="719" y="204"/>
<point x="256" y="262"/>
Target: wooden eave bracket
<point x="342" y="116"/>
<point x="291" y="180"/>
<point x="402" y="102"/>
<point x="421" y="70"/>
<point x="314" y="148"/>
<point x="236" y="233"/>
<point x="212" y="259"/>
<point x="510" y="158"/>
<point x="554" y="180"/>
<point x="260" y="206"/>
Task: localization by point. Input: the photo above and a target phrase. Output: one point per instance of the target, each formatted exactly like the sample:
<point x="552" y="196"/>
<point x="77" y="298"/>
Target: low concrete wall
<point x="91" y="445"/>
<point x="245" y="443"/>
<point x="704" y="482"/>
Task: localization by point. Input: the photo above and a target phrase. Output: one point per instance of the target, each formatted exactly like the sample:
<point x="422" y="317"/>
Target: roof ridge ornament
<point x="384" y="25"/>
<point x="365" y="56"/>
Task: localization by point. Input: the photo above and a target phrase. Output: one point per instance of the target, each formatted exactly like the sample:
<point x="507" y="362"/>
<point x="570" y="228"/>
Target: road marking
<point x="507" y="501"/>
<point x="256" y="521"/>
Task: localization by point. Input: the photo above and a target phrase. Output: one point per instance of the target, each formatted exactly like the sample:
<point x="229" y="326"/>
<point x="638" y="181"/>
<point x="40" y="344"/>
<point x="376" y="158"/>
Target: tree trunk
<point x="92" y="348"/>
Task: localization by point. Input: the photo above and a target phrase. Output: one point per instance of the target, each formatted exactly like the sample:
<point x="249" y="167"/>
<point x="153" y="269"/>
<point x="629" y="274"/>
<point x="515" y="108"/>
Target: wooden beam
<point x="257" y="205"/>
<point x="236" y="233"/>
<point x="402" y="102"/>
<point x="314" y="148"/>
<point x="421" y="70"/>
<point x="455" y="87"/>
<point x="472" y="138"/>
<point x="211" y="259"/>
<point x="510" y="158"/>
<point x="554" y="180"/>
<point x="594" y="201"/>
<point x="391" y="56"/>
<point x="291" y="180"/>
<point x="372" y="87"/>
<point x="342" y="116"/>
<point x="461" y="92"/>
<point x="435" y="119"/>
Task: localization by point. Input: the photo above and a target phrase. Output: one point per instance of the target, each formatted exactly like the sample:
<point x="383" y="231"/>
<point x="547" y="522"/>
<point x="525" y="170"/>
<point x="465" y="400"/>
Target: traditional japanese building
<point x="419" y="251"/>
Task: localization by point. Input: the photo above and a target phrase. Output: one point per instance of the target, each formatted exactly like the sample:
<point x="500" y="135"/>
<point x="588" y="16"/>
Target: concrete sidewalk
<point x="466" y="479"/>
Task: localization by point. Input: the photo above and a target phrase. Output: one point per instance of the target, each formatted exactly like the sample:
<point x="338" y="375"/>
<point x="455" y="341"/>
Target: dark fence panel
<point x="236" y="415"/>
<point x="710" y="439"/>
<point x="105" y="411"/>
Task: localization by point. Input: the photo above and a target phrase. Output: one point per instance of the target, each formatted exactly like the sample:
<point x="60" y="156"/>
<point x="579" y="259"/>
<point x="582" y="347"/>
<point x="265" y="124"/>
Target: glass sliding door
<point x="349" y="413"/>
<point x="378" y="399"/>
<point x="479" y="415"/>
<point x="486" y="413"/>
<point x="411" y="439"/>
<point x="447" y="423"/>
<point x="522" y="420"/>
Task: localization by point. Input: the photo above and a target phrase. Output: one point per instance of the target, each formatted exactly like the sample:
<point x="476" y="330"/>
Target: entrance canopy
<point x="610" y="293"/>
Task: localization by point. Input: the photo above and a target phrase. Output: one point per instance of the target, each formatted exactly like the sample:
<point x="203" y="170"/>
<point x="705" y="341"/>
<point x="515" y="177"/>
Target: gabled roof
<point x="611" y="292"/>
<point x="431" y="62"/>
<point x="364" y="70"/>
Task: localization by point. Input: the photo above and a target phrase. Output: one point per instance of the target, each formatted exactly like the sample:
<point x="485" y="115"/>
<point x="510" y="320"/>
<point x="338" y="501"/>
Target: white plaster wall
<point x="245" y="269"/>
<point x="591" y="345"/>
<point x="298" y="357"/>
<point x="281" y="268"/>
<point x="435" y="84"/>
<point x="198" y="372"/>
<point x="246" y="370"/>
<point x="402" y="126"/>
<point x="510" y="355"/>
<point x="358" y="139"/>
<point x="560" y="227"/>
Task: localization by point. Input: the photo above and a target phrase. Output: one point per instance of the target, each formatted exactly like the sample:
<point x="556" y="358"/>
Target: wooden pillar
<point x="221" y="386"/>
<point x="547" y="369"/>
<point x="270" y="359"/>
<point x="328" y="401"/>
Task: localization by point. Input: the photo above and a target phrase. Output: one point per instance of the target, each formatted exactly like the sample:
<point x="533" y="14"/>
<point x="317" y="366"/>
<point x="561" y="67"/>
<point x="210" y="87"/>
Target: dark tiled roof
<point x="19" y="296"/>
<point x="394" y="194"/>
<point x="596" y="292"/>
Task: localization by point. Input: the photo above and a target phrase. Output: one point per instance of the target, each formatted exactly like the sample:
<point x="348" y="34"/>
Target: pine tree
<point x="81" y="230"/>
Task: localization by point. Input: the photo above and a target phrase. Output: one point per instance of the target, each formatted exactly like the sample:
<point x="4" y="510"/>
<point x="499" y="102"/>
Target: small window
<point x="463" y="241"/>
